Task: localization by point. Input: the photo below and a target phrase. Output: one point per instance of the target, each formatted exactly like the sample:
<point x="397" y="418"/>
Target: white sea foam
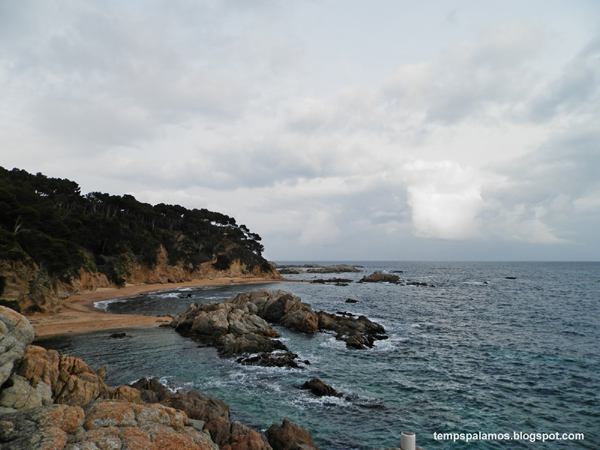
<point x="333" y="343"/>
<point x="389" y="344"/>
<point x="103" y="304"/>
<point x="168" y="295"/>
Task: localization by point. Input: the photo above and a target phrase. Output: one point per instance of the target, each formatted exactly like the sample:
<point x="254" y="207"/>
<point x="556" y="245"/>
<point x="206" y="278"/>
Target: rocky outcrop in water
<point x="380" y="277"/>
<point x="358" y="333"/>
<point x="290" y="270"/>
<point x="233" y="330"/>
<point x="240" y="326"/>
<point x="337" y="281"/>
<point x="285" y="309"/>
<point x="337" y="268"/>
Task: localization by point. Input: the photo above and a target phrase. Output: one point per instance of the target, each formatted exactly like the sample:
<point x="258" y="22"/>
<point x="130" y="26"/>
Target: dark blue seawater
<point x="475" y="352"/>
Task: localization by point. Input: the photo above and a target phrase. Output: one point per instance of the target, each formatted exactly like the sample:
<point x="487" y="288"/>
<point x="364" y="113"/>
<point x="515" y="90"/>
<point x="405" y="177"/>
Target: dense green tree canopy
<point x="49" y="220"/>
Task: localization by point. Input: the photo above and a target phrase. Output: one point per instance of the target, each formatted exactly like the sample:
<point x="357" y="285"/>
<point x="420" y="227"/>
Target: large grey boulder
<point x="16" y="333"/>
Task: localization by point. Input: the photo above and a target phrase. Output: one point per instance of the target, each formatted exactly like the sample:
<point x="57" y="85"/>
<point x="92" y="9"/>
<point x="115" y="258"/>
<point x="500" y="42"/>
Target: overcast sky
<point x="337" y="130"/>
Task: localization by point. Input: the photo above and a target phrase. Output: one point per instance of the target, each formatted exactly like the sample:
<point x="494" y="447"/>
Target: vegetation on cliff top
<point x="48" y="221"/>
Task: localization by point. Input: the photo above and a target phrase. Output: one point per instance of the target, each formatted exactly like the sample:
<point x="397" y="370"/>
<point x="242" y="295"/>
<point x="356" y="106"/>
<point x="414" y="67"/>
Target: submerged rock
<point x="119" y="335"/>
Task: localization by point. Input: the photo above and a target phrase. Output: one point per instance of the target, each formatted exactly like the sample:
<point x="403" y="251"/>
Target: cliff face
<point x="33" y="290"/>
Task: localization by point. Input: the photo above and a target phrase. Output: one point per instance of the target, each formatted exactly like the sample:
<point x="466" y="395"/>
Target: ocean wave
<point x="389" y="344"/>
<point x="104" y="304"/>
<point x="168" y="295"/>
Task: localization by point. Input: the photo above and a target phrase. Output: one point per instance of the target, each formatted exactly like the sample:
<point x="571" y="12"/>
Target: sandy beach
<point x="78" y="315"/>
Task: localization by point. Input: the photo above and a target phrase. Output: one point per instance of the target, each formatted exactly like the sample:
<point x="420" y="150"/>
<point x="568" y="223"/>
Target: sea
<point x="488" y="355"/>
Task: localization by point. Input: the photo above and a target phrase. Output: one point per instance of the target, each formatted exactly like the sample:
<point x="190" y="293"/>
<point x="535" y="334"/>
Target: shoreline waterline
<point x="79" y="315"/>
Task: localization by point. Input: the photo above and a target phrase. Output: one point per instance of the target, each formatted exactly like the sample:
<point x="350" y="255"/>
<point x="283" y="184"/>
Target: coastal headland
<point x="77" y="313"/>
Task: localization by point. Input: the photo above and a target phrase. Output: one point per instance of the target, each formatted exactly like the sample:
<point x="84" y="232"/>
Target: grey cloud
<point x="544" y="188"/>
<point x="467" y="78"/>
<point x="165" y="69"/>
<point x="575" y="91"/>
<point x="567" y="164"/>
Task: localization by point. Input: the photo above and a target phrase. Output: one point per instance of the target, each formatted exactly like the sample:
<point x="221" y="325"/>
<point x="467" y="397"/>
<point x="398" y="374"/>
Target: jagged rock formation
<point x="51" y="401"/>
<point x="209" y="412"/>
<point x="235" y="330"/>
<point x="240" y="326"/>
<point x="70" y="380"/>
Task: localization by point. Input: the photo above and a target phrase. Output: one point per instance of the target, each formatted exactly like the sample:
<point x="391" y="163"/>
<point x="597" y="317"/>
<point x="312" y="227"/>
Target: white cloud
<point x="445" y="200"/>
<point x="320" y="229"/>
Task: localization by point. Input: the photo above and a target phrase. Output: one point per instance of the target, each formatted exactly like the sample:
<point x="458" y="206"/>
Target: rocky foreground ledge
<point x="241" y="326"/>
<point x="54" y="402"/>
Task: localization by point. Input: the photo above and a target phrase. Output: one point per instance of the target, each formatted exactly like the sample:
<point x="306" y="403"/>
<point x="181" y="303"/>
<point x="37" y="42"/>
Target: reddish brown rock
<point x="289" y="436"/>
<point x="243" y="438"/>
<point x="71" y="380"/>
<point x="103" y="424"/>
<point x="198" y="406"/>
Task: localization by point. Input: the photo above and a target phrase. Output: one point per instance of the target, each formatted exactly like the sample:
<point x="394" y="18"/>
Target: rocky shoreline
<point x="52" y="401"/>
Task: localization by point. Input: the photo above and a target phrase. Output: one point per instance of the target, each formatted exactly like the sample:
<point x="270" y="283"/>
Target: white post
<point x="407" y="440"/>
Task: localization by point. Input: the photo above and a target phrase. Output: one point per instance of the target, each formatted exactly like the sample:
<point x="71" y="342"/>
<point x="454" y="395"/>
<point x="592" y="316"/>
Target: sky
<point x="335" y="129"/>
